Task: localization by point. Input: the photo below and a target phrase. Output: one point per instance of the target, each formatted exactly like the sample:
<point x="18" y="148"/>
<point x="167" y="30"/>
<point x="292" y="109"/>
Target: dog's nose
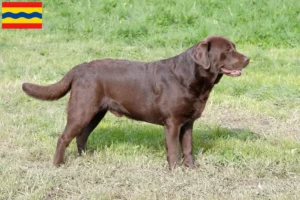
<point x="247" y="59"/>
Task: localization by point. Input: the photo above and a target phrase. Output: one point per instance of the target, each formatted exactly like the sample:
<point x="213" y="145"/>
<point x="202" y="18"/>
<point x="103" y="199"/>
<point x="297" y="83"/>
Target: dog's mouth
<point x="231" y="72"/>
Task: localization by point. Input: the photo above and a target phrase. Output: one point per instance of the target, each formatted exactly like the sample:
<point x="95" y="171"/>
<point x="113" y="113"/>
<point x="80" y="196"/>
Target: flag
<point x="22" y="15"/>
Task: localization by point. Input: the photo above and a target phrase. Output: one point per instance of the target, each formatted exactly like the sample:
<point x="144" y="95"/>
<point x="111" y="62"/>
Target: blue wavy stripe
<point x="22" y="14"/>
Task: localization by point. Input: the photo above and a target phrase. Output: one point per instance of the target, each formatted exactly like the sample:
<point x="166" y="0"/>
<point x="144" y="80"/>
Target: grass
<point x="247" y="142"/>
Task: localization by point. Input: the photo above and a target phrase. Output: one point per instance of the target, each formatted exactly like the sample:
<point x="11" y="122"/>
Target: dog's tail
<point x="50" y="92"/>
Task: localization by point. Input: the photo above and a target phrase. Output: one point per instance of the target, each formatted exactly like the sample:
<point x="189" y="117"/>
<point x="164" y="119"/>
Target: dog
<point x="170" y="92"/>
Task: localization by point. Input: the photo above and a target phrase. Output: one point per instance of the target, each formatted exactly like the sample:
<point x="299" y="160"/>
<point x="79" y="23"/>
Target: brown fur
<point x="170" y="92"/>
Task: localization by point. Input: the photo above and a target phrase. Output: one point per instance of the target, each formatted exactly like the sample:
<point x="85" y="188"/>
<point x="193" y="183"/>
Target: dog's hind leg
<point x="82" y="139"/>
<point x="82" y="108"/>
<point x="73" y="128"/>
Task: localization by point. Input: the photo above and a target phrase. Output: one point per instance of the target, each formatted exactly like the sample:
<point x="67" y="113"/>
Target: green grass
<point x="247" y="142"/>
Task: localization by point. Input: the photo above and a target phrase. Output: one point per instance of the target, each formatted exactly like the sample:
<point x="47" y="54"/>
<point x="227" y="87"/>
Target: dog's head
<point x="218" y="54"/>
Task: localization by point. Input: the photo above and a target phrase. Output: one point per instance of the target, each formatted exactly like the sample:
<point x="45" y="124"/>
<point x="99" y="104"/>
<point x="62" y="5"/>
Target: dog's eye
<point x="229" y="48"/>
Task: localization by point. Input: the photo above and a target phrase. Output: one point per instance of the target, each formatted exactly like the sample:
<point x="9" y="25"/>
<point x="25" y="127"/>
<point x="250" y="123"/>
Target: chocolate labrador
<point x="170" y="92"/>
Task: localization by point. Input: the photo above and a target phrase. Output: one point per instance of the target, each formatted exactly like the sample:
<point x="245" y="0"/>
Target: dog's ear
<point x="200" y="54"/>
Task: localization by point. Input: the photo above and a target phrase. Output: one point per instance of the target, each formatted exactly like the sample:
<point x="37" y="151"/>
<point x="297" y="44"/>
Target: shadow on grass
<point x="136" y="137"/>
<point x="205" y="138"/>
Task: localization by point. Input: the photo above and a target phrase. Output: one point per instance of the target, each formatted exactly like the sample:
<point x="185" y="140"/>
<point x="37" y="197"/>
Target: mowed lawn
<point x="247" y="143"/>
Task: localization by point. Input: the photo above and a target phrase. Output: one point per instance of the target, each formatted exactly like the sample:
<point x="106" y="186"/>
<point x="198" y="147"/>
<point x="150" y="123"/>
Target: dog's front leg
<point x="172" y="131"/>
<point x="186" y="142"/>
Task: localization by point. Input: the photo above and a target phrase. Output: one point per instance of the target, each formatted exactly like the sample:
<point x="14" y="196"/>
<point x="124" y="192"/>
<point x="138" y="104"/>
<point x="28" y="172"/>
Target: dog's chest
<point x="198" y="104"/>
<point x="198" y="108"/>
<point x="191" y="109"/>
